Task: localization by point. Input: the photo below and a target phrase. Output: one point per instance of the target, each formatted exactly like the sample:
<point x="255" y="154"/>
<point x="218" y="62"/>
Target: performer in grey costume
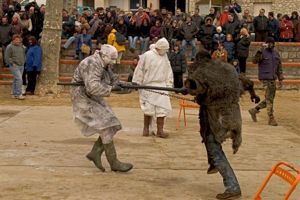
<point x="216" y="86"/>
<point x="91" y="112"/>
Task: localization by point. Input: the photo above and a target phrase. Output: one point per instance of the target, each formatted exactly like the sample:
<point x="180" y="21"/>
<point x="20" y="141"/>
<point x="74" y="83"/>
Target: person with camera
<point x="91" y="112"/>
<point x="269" y="69"/>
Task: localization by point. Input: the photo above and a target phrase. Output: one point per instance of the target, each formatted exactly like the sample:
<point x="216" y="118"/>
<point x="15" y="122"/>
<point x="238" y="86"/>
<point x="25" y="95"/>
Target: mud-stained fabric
<point x="218" y="88"/>
<point x="91" y="112"/>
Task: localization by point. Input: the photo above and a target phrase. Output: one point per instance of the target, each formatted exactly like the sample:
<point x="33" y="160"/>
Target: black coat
<point x="121" y="28"/>
<point x="232" y="28"/>
<point x="242" y="47"/>
<point x="178" y="62"/>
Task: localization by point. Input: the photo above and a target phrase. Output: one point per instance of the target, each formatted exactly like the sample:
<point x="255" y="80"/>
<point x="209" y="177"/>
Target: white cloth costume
<point x="154" y="69"/>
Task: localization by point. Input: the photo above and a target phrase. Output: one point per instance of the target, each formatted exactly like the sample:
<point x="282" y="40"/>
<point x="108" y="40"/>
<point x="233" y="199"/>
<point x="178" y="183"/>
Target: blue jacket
<point x="230" y="48"/>
<point x="269" y="65"/>
<point x="34" y="58"/>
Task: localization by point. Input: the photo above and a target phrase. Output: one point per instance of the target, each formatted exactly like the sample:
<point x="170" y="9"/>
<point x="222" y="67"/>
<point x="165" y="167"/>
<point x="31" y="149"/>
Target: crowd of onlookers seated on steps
<point x="227" y="34"/>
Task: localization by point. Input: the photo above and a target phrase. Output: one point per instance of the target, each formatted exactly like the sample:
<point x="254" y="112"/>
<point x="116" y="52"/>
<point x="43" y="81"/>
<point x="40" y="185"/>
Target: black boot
<point x="95" y="154"/>
<point x="147" y="120"/>
<point x="111" y="156"/>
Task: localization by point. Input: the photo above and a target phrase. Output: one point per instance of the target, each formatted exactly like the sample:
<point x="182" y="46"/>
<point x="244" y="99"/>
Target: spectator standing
<point x="206" y="34"/>
<point x="260" y="24"/>
<point x="235" y="9"/>
<point x="269" y="70"/>
<point x="229" y="45"/>
<point x="140" y="16"/>
<point x="33" y="64"/>
<point x="189" y="32"/>
<point x="212" y="14"/>
<point x="177" y="36"/>
<point x="224" y="16"/>
<point x="178" y="15"/>
<point x="5" y="35"/>
<point x="144" y="36"/>
<point x="218" y="38"/>
<point x="232" y="26"/>
<point x="109" y="19"/>
<point x="167" y="31"/>
<point x="297" y="31"/>
<point x="242" y="49"/>
<point x="26" y="22"/>
<point x="178" y="64"/>
<point x="247" y="21"/>
<point x="155" y="31"/>
<point x="295" y="19"/>
<point x="197" y="19"/>
<point x="286" y="29"/>
<point x="15" y="58"/>
<point x="17" y="27"/>
<point x="273" y="27"/>
<point x="37" y="22"/>
<point x="84" y="40"/>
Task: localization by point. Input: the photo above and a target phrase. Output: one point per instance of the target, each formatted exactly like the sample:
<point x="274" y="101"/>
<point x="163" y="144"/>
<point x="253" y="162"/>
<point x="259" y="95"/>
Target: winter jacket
<point x="230" y="48"/>
<point x="178" y="62"/>
<point x="121" y="28"/>
<point x="242" y="47"/>
<point x="286" y="29"/>
<point x="189" y="31"/>
<point x="198" y="20"/>
<point x="132" y="30"/>
<point x="167" y="32"/>
<point x="155" y="32"/>
<point x="273" y="27"/>
<point x="297" y="32"/>
<point x="260" y="24"/>
<point x="206" y="33"/>
<point x="224" y="18"/>
<point x="144" y="31"/>
<point x="235" y="10"/>
<point x="269" y="64"/>
<point x="219" y="38"/>
<point x="34" y="59"/>
<point x="140" y="18"/>
<point x="5" y="34"/>
<point x="232" y="28"/>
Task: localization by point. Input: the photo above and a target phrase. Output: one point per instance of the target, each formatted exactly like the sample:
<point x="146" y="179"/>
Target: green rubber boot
<point x="95" y="154"/>
<point x="111" y="156"/>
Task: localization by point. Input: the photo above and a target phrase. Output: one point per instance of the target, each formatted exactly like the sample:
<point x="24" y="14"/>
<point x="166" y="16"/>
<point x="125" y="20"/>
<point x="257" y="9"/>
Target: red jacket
<point x="286" y="29"/>
<point x="223" y="18"/>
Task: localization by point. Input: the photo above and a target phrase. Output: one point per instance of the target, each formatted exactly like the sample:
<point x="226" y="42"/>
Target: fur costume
<point x="216" y="86"/>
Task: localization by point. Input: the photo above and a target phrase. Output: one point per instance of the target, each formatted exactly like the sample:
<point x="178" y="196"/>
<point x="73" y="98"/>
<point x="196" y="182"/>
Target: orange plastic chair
<point x="183" y="104"/>
<point x="285" y="175"/>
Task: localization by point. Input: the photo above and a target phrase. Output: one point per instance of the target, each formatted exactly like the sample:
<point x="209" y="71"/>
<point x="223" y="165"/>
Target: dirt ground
<point x="287" y="104"/>
<point x="42" y="153"/>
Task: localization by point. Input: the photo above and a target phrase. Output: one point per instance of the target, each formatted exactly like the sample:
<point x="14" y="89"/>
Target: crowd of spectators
<point x="221" y="33"/>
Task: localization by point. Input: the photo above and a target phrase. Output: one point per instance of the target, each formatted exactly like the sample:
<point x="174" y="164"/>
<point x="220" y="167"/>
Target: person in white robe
<point x="154" y="69"/>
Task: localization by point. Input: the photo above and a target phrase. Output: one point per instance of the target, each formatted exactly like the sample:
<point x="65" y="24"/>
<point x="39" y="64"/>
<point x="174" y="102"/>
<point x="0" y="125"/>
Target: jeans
<point x="17" y="72"/>
<point x="144" y="44"/>
<point x="69" y="42"/>
<point x="215" y="154"/>
<point x="132" y="41"/>
<point x="193" y="44"/>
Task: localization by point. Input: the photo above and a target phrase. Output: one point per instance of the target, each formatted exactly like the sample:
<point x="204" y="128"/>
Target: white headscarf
<point x="162" y="44"/>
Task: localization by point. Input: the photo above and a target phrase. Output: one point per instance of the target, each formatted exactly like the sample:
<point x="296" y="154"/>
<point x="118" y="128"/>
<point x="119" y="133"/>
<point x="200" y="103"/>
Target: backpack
<point x="120" y="39"/>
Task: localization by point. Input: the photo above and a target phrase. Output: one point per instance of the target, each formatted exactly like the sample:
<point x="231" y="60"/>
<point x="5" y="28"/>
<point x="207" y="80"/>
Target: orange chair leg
<point x="178" y="119"/>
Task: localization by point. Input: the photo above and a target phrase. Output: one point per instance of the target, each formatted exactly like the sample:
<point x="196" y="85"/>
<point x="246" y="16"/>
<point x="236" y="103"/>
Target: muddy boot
<point x="147" y="120"/>
<point x="95" y="154"/>
<point x="253" y="112"/>
<point x="114" y="163"/>
<point x="160" y="128"/>
<point x="229" y="195"/>
<point x="272" y="121"/>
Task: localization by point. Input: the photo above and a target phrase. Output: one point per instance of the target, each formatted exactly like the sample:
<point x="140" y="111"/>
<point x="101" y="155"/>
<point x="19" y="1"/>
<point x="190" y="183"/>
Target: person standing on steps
<point x="269" y="70"/>
<point x="154" y="69"/>
<point x="91" y="112"/>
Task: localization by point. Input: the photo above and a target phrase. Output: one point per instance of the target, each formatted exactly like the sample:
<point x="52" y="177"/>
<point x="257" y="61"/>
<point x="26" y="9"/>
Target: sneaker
<point x="21" y="97"/>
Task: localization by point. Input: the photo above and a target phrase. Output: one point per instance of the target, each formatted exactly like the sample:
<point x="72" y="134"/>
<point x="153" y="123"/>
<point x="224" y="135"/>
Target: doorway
<point x="170" y="5"/>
